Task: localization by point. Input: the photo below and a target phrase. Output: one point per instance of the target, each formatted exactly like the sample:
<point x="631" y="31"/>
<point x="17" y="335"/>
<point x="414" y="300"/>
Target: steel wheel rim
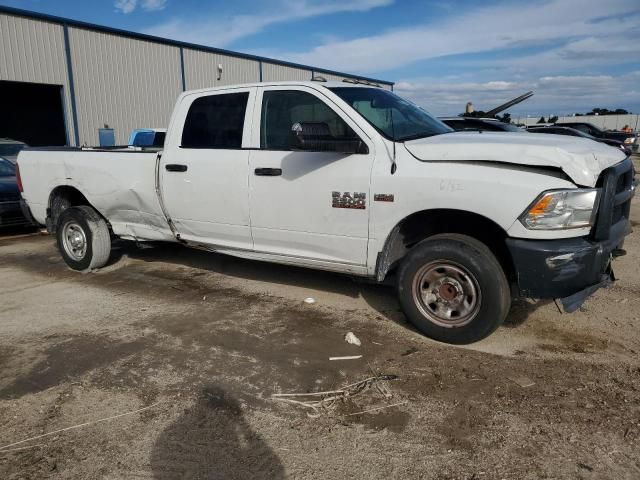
<point x="446" y="294"/>
<point x="74" y="240"/>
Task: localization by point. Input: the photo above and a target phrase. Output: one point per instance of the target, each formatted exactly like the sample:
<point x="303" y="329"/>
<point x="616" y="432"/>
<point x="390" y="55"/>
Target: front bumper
<point x="562" y="269"/>
<point x="572" y="269"/>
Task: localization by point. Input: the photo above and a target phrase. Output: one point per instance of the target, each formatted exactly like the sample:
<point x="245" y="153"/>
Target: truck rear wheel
<point x="453" y="289"/>
<point x="83" y="238"/>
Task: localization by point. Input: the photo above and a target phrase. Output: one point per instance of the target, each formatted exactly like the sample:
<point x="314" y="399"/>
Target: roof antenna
<point x="394" y="166"/>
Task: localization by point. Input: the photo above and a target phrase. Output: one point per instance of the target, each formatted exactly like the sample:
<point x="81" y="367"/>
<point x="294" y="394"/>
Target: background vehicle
<point x="572" y="132"/>
<point x="147" y="137"/>
<point x="10" y="211"/>
<point x="628" y="139"/>
<point x="352" y="179"/>
<point x="483" y="124"/>
<point x="9" y="149"/>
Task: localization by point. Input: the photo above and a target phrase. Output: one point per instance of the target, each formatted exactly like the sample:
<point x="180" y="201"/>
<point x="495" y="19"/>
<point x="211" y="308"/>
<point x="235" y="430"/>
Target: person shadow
<point x="211" y="440"/>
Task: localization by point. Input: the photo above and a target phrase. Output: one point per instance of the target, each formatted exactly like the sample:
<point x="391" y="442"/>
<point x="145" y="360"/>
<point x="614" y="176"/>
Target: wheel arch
<point x="62" y="197"/>
<point x="426" y="223"/>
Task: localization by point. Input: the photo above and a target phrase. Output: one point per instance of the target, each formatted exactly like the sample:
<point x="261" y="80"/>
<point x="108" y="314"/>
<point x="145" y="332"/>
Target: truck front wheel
<point x="453" y="289"/>
<point x="83" y="238"/>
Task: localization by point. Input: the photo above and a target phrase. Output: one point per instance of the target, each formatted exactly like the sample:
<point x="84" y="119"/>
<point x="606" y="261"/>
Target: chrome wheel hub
<point x="74" y="240"/>
<point x="446" y="294"/>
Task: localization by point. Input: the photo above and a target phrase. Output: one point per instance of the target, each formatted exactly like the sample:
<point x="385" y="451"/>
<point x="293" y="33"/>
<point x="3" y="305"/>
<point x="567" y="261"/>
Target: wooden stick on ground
<point x="78" y="426"/>
<point x="376" y="409"/>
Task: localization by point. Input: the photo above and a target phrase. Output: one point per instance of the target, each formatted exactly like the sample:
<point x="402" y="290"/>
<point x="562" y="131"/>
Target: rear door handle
<point x="268" y="172"/>
<point x="174" y="167"/>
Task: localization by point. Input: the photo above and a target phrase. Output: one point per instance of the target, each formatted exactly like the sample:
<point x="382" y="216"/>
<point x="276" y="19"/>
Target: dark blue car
<point x="10" y="212"/>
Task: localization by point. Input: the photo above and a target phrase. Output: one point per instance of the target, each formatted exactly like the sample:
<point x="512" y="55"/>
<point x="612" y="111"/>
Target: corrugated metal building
<point x="61" y="80"/>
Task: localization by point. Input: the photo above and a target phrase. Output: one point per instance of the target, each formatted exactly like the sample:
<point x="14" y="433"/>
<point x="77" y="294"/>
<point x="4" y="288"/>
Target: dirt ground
<point x="201" y="342"/>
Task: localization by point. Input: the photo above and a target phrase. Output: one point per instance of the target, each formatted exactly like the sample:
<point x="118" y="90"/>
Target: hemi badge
<point x="383" y="197"/>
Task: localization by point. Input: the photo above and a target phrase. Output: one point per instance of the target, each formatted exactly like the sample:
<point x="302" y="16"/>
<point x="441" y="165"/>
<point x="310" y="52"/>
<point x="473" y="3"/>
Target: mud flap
<point x="575" y="301"/>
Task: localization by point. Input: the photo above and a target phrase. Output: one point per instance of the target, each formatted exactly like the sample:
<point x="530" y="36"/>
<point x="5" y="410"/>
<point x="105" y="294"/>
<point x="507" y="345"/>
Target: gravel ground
<point x="201" y="342"/>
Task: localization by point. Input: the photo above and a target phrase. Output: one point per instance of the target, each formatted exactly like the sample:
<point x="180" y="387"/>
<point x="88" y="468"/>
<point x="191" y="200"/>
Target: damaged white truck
<point x="352" y="179"/>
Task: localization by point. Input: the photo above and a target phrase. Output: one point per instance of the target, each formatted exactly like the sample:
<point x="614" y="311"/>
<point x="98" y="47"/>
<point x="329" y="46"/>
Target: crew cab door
<point x="311" y="205"/>
<point x="205" y="167"/>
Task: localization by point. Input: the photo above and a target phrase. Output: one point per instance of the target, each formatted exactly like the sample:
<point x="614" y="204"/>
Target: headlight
<point x="562" y="209"/>
<point x="629" y="140"/>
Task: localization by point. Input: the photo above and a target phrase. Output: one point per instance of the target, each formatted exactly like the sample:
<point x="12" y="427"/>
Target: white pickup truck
<point x="352" y="179"/>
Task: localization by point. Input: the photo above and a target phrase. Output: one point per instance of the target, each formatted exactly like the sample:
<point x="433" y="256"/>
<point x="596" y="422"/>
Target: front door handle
<point x="268" y="172"/>
<point x="174" y="167"/>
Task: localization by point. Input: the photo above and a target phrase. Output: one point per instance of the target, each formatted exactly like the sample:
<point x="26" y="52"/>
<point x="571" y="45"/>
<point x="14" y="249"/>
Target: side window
<point x="281" y="109"/>
<point x="215" y="121"/>
<point x="582" y="128"/>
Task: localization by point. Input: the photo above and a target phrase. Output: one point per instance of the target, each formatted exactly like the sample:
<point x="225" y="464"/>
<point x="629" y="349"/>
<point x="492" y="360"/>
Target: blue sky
<point x="575" y="54"/>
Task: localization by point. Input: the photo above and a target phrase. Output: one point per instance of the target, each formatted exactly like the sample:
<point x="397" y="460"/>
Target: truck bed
<point x="119" y="182"/>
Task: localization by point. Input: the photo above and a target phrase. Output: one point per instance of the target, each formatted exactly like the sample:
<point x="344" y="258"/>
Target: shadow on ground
<point x="8" y="232"/>
<point x="380" y="297"/>
<point x="211" y="440"/>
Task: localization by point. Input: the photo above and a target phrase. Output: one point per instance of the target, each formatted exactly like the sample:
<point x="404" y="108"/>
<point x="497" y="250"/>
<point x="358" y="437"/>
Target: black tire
<point x="92" y="238"/>
<point x="448" y="272"/>
<point x="58" y="205"/>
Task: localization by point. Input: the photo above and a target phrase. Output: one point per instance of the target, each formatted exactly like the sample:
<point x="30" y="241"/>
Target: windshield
<point x="510" y="127"/>
<point x="579" y="133"/>
<point x="7" y="169"/>
<point x="395" y="118"/>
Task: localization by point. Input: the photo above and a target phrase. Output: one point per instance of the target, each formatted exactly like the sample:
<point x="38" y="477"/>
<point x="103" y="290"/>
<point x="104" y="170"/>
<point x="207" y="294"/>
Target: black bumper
<point x="11" y="215"/>
<point x="562" y="268"/>
<point x="26" y="212"/>
<point x="572" y="269"/>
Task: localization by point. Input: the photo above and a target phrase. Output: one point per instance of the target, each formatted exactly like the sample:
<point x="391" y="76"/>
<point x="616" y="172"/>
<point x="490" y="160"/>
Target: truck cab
<point x="354" y="179"/>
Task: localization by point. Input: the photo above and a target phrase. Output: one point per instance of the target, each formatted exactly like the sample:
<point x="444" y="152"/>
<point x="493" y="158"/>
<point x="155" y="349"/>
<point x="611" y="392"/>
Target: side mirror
<point x="316" y="137"/>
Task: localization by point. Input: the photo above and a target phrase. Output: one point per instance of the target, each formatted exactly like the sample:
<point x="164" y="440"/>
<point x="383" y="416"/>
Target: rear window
<point x="158" y="140"/>
<point x="215" y="121"/>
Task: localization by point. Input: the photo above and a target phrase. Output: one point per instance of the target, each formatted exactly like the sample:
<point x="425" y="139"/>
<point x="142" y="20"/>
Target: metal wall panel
<point x="201" y="70"/>
<point x="33" y="51"/>
<point x="330" y="77"/>
<point x="123" y="82"/>
<point x="272" y="72"/>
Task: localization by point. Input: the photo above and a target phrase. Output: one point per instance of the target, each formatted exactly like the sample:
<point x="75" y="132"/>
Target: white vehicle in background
<point x="352" y="179"/>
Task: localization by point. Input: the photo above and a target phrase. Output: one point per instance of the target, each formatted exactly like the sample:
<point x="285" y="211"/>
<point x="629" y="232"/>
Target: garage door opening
<point x="32" y="113"/>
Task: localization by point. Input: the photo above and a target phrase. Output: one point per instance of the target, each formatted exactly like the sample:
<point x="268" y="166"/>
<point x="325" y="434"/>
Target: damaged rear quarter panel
<point x="120" y="185"/>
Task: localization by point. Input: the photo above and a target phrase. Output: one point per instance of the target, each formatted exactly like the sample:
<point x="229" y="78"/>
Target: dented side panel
<point x="120" y="185"/>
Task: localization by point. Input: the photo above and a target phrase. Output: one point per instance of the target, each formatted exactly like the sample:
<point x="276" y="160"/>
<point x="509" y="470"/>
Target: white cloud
<point x="217" y="30"/>
<point x="560" y="94"/>
<point x="154" y="5"/>
<point x="128" y="6"/>
<point x="479" y="30"/>
<point x="125" y="6"/>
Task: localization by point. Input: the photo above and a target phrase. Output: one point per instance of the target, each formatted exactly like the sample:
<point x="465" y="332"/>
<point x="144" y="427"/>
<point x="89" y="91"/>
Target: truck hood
<point x="580" y="158"/>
